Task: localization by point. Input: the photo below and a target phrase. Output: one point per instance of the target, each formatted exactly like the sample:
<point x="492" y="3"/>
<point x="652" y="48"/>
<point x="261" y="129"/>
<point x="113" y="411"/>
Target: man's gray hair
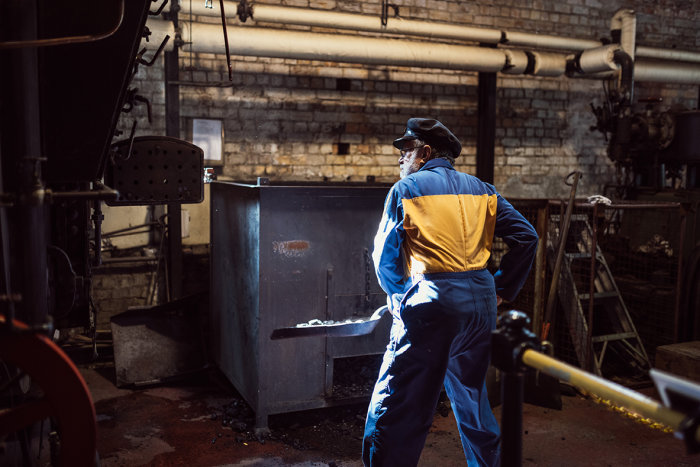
<point x="444" y="153"/>
<point x="438" y="153"/>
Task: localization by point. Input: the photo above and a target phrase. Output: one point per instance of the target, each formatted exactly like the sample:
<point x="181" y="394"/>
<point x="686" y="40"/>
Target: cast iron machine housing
<point x="60" y="104"/>
<point x="66" y="69"/>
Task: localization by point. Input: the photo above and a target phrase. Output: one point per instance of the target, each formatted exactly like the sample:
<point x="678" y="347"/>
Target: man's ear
<point x="427" y="153"/>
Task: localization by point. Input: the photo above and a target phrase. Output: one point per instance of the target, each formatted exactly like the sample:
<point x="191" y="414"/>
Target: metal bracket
<point x="132" y="99"/>
<point x="385" y="11"/>
<point x="139" y="60"/>
<point x="139" y="56"/>
<point x="160" y="8"/>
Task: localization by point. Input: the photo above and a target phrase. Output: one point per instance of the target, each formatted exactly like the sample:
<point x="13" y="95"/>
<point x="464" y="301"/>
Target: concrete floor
<point x="183" y="424"/>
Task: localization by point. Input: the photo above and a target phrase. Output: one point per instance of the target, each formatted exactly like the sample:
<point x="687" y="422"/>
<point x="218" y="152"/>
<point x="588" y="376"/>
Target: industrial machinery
<point x="656" y="151"/>
<point x="65" y="82"/>
<point x="654" y="148"/>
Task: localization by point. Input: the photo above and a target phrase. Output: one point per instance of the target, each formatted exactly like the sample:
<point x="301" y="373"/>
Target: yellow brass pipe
<point x="618" y="394"/>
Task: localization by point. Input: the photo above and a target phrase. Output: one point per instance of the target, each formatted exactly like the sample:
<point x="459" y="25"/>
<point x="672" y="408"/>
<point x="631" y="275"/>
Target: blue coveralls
<point x="430" y="255"/>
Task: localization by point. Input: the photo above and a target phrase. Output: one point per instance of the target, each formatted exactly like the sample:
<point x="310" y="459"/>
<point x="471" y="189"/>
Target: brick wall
<point x="307" y="120"/>
<point x="116" y="288"/>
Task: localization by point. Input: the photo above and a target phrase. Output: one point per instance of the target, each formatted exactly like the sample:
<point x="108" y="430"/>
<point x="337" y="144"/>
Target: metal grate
<point x="530" y="298"/>
<point x="642" y="244"/>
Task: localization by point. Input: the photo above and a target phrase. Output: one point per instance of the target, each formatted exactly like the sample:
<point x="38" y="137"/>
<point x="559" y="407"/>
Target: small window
<point x="208" y="134"/>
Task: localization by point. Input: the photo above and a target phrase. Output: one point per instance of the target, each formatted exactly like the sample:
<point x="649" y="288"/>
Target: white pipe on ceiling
<point x="543" y="41"/>
<point x="254" y="41"/>
<point x="548" y="64"/>
<point x="668" y="54"/>
<point x="516" y="61"/>
<point x="599" y="59"/>
<point x="264" y="42"/>
<point x="278" y="43"/>
<point x="625" y="21"/>
<point x="358" y="22"/>
<point x="662" y="72"/>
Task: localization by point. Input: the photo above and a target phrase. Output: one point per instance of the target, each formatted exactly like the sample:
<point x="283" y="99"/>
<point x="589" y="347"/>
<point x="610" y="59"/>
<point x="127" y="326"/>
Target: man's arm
<point x="387" y="255"/>
<point x="521" y="239"/>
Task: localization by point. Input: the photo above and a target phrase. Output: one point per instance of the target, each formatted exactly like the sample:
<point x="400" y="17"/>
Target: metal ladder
<point x="582" y="274"/>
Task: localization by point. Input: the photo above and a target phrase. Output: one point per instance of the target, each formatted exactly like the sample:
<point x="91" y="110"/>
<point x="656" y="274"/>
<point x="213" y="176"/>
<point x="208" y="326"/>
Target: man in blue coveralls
<point x="430" y="255"/>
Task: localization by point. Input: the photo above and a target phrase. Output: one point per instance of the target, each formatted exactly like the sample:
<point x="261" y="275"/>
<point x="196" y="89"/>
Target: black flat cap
<point x="432" y="132"/>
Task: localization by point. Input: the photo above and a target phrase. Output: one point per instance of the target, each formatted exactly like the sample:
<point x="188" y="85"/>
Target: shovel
<point x="541" y="389"/>
<point x="359" y="327"/>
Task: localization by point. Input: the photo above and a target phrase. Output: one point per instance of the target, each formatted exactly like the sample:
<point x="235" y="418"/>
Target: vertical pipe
<point x="512" y="419"/>
<point x="486" y="127"/>
<point x="21" y="141"/>
<point x="172" y="128"/>
<point x="628" y="33"/>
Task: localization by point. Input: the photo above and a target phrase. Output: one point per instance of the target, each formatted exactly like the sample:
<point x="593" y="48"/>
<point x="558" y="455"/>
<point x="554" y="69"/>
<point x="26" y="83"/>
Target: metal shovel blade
<point x="358" y="327"/>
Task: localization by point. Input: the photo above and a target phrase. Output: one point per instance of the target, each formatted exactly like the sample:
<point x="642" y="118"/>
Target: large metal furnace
<point x="284" y="255"/>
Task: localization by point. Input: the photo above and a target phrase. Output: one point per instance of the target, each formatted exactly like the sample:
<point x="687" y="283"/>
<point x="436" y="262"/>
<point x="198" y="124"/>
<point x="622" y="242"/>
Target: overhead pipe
<point x="544" y="41"/>
<point x="277" y="43"/>
<point x="650" y="71"/>
<point x="396" y="25"/>
<point x="517" y="61"/>
<point x="598" y="60"/>
<point x="661" y="72"/>
<point x="623" y="28"/>
<point x="548" y="64"/>
<point x="668" y="54"/>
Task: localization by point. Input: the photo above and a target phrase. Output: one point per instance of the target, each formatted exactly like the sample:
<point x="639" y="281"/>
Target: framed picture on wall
<point x="208" y="134"/>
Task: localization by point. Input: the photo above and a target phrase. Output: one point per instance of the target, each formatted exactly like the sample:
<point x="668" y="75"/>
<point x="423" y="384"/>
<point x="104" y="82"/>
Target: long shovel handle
<point x="551" y="298"/>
